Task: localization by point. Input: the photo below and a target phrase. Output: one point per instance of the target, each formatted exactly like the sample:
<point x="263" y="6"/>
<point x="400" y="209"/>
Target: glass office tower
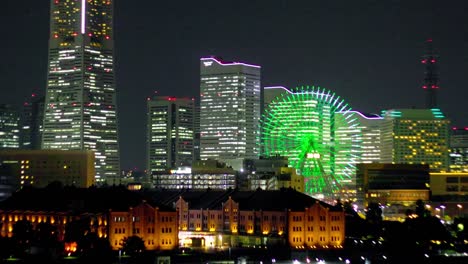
<point x="80" y="108"/>
<point x="170" y="133"/>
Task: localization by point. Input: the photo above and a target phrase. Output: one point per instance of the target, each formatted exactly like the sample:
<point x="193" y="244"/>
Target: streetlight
<point x="443" y="211"/>
<point x="460" y="207"/>
<point x="438" y="211"/>
<point x="428" y="208"/>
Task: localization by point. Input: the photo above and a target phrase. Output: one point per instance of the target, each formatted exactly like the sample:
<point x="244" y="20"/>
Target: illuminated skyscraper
<point x="9" y="127"/>
<point x="80" y="106"/>
<point x="170" y="133"/>
<point x="31" y="122"/>
<point x="229" y="110"/>
<point x="416" y="136"/>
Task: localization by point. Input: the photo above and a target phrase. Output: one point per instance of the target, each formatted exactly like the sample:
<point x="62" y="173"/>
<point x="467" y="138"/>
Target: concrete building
<point x="229" y="110"/>
<point x="392" y="183"/>
<point x="39" y="168"/>
<point x="449" y="183"/>
<point x="170" y="133"/>
<point x="80" y="102"/>
<point x="416" y="136"/>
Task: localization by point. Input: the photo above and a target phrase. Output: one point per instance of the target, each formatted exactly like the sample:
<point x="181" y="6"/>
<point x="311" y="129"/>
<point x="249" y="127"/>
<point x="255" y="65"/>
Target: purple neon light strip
<point x="231" y="63"/>
<point x="277" y="87"/>
<point x="83" y="14"/>
<point x="366" y="117"/>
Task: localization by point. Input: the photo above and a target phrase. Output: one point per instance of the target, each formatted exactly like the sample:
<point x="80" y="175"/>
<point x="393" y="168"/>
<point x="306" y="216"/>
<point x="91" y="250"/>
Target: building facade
<point x="80" y="104"/>
<point x="229" y="110"/>
<point x="9" y="127"/>
<point x="170" y="133"/>
<point x="157" y="228"/>
<point x="459" y="149"/>
<point x="416" y="136"/>
<point x="39" y="168"/>
<point x="123" y="216"/>
<point x="449" y="183"/>
<point x="392" y="184"/>
<point x="209" y="219"/>
<point x="203" y="174"/>
<point x="370" y="143"/>
<point x="31" y="122"/>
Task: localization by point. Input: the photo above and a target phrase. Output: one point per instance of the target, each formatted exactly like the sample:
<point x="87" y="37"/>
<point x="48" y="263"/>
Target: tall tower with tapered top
<point x="80" y="105"/>
<point x="431" y="75"/>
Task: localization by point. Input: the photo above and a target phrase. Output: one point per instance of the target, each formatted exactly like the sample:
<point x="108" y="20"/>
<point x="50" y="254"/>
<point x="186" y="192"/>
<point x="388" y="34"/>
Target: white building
<point x="229" y="110"/>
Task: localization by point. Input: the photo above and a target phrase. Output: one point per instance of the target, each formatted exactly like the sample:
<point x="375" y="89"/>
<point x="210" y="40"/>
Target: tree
<point x="75" y="230"/>
<point x="22" y="236"/>
<point x="133" y="245"/>
<point x="374" y="213"/>
<point x="96" y="249"/>
<point x="421" y="210"/>
<point x="23" y="231"/>
<point x="46" y="233"/>
<point x="374" y="219"/>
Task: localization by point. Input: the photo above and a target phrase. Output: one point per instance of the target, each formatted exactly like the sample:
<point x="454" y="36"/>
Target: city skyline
<point x="352" y="49"/>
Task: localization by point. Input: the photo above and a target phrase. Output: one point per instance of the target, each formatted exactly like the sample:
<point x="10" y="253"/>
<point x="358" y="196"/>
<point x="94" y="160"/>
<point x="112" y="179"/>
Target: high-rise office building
<point x="459" y="149"/>
<point x="229" y="110"/>
<point x="416" y="136"/>
<point x="9" y="127"/>
<point x="80" y="106"/>
<point x="370" y="131"/>
<point x="196" y="131"/>
<point x="32" y="118"/>
<point x="170" y="133"/>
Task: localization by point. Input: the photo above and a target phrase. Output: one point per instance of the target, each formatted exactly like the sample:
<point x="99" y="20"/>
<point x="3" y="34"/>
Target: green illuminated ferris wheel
<point x="316" y="131"/>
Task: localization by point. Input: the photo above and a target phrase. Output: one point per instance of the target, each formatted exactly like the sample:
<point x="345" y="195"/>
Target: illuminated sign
<point x="182" y="170"/>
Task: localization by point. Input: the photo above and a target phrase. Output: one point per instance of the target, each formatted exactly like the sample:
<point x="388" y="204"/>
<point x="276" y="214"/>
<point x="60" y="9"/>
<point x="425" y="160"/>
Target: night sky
<point x="367" y="52"/>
